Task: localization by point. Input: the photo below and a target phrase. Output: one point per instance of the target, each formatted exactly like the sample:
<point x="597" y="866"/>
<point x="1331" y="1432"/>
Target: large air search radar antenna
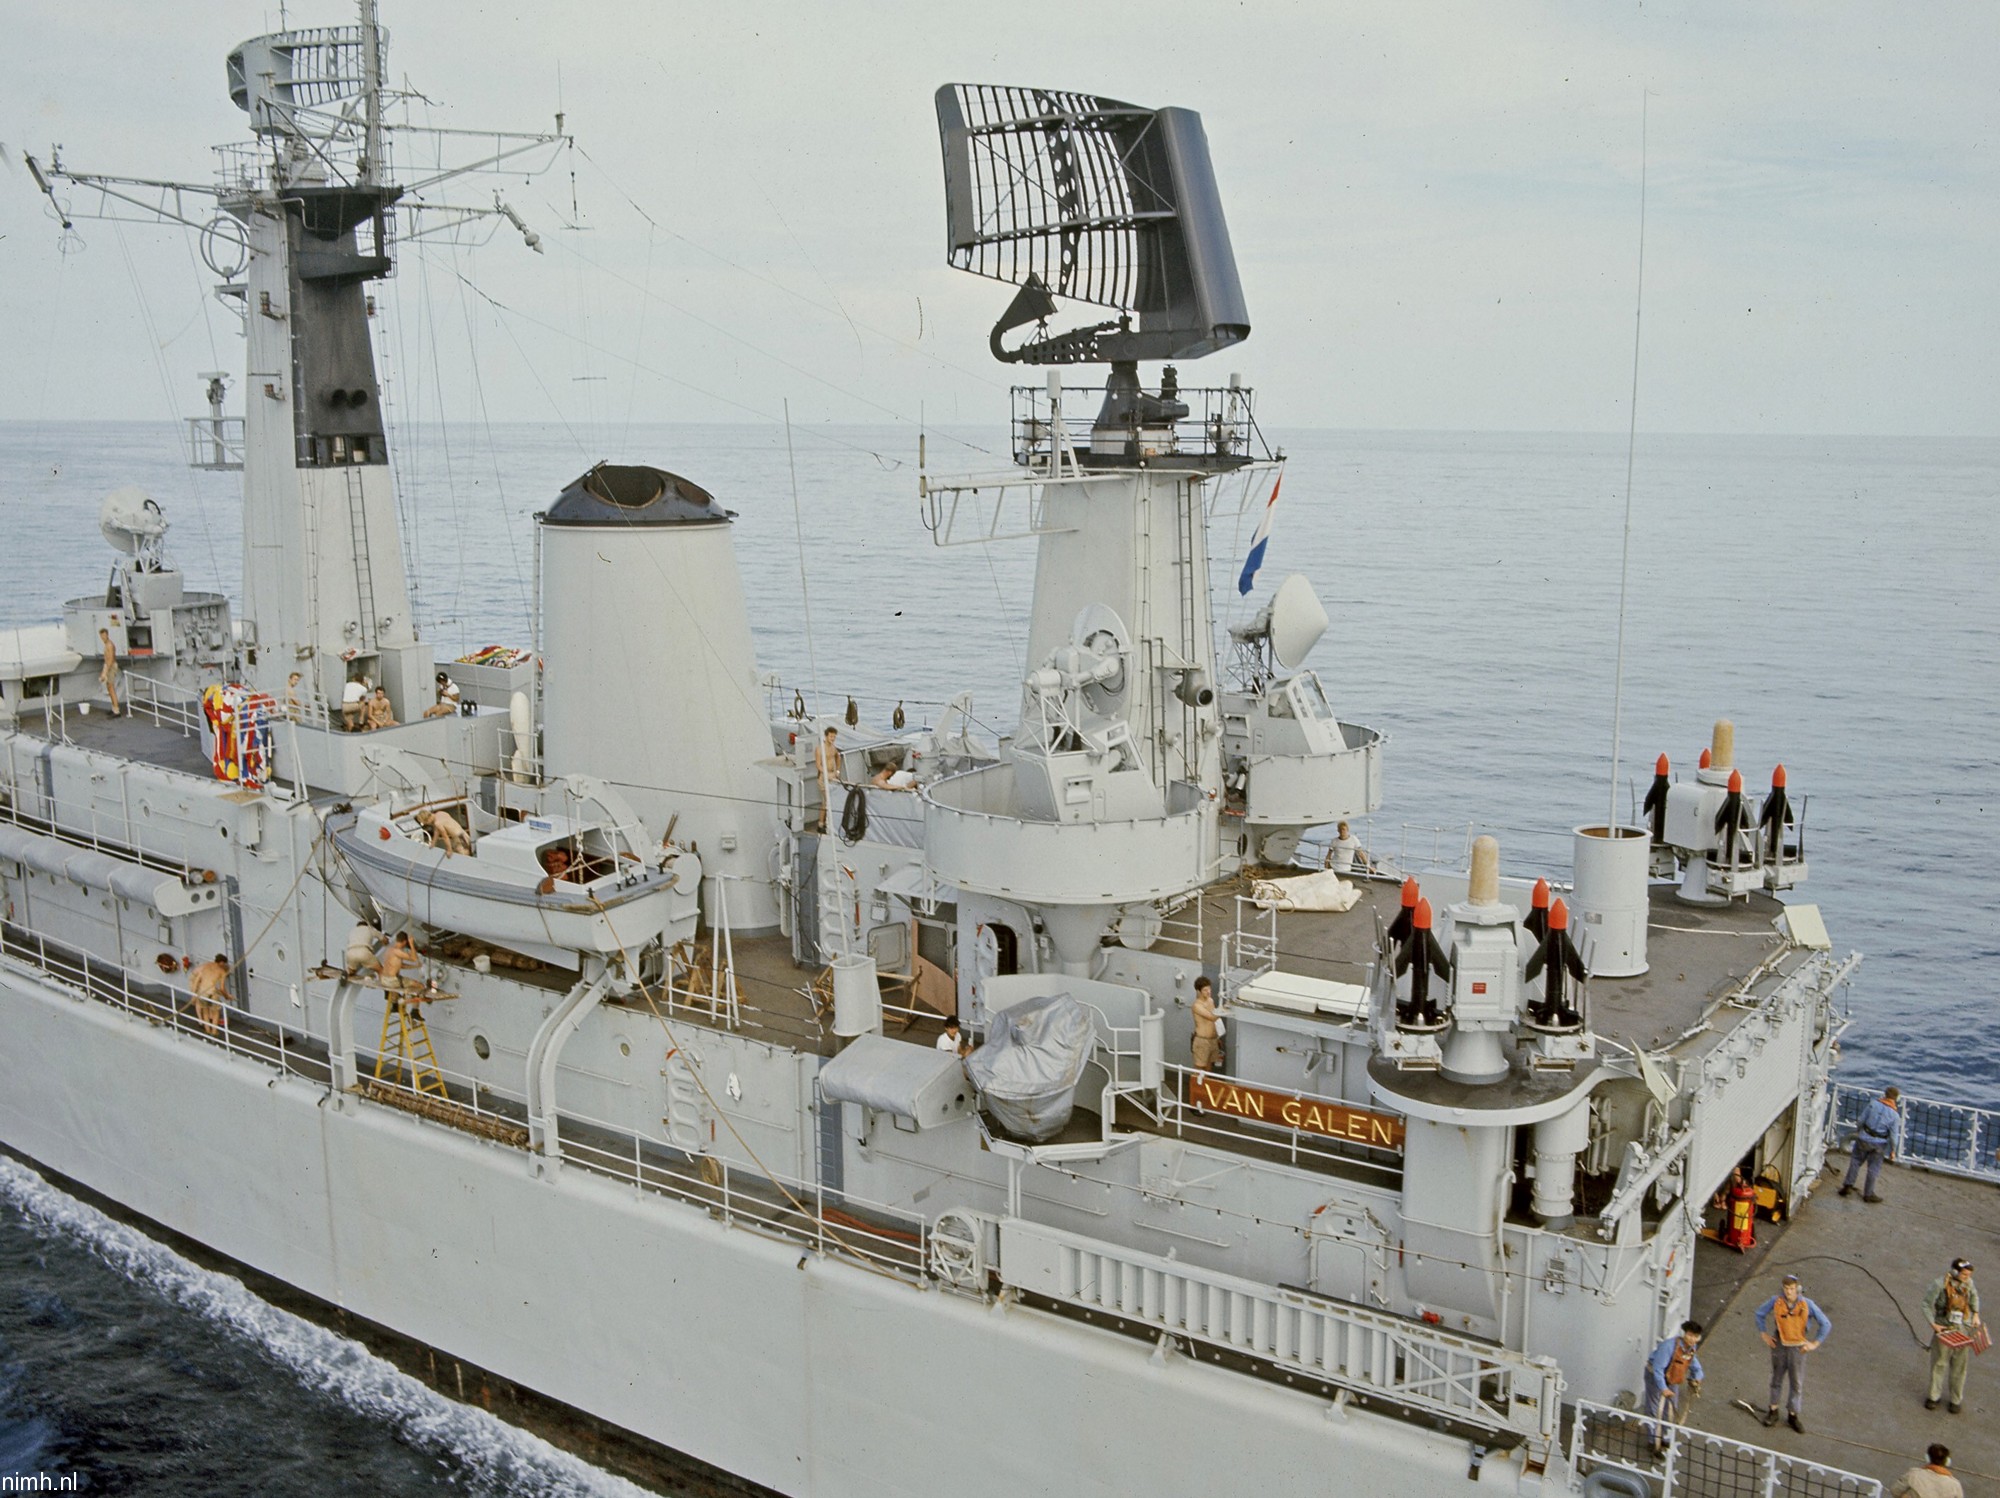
<point x="1086" y="199"/>
<point x="1070" y="195"/>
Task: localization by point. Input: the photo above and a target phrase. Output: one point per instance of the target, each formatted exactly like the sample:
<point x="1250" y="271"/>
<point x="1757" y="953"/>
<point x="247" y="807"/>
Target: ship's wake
<point x="492" y="1457"/>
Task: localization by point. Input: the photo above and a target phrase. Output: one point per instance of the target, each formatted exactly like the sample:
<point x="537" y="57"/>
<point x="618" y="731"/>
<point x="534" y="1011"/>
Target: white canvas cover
<point x="1325" y="890"/>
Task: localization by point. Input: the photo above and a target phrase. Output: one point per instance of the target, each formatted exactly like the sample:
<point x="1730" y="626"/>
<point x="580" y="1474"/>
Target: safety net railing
<point x="1668" y="1460"/>
<point x="1949" y="1137"/>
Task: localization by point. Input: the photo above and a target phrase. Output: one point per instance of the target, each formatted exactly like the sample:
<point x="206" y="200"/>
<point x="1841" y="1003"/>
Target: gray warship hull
<point x="799" y="1371"/>
<point x="645" y="1109"/>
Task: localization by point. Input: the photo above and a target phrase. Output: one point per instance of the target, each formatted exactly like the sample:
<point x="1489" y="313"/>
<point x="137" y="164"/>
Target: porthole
<point x="624" y="1046"/>
<point x="480" y="1048"/>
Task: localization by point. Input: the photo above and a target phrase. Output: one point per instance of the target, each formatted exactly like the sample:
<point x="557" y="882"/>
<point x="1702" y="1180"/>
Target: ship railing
<point x="1052" y="423"/>
<point x="160" y="1002"/>
<point x="1696" y="1462"/>
<point x="1315" y="850"/>
<point x="1421" y="849"/>
<point x="1387" y="1360"/>
<point x="215" y="443"/>
<point x="1951" y="1138"/>
<point x="1175" y="1112"/>
<point x="167" y="703"/>
<point x="1182" y="930"/>
<point x="468" y="1102"/>
<point x="1251" y="949"/>
<point x="756" y="1200"/>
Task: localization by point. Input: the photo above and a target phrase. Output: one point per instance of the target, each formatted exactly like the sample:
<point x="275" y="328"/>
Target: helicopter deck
<point x="1868" y="1267"/>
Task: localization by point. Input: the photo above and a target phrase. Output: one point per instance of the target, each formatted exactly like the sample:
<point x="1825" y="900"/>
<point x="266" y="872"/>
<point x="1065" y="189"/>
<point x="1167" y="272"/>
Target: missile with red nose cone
<point x="1556" y="959"/>
<point x="1732" y="818"/>
<point x="1420" y="957"/>
<point x="1399" y="928"/>
<point x="1776" y="816"/>
<point x="1655" y="804"/>
<point x="1538" y="909"/>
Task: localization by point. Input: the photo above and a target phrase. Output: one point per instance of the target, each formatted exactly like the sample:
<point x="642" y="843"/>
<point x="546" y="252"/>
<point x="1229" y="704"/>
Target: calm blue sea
<point x="1834" y="596"/>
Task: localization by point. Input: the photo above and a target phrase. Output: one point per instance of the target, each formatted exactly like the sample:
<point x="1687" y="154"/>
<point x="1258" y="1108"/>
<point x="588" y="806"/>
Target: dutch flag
<point x="1258" y="542"/>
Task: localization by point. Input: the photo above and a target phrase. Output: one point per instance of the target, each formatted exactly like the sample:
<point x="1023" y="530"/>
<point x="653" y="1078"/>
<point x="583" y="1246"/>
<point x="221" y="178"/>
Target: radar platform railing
<point x="1697" y="1463"/>
<point x="1952" y="1138"/>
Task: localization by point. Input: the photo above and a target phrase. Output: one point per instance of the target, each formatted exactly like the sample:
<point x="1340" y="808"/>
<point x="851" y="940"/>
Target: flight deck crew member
<point x="1673" y="1373"/>
<point x="1791" y="1327"/>
<point x="209" y="984"/>
<point x="1952" y="1304"/>
<point x="1207" y="1027"/>
<point x="1875" y="1139"/>
<point x="1932" y="1480"/>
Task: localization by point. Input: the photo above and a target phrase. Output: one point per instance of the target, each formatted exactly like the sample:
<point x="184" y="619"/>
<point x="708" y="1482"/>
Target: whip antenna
<point x="1631" y="444"/>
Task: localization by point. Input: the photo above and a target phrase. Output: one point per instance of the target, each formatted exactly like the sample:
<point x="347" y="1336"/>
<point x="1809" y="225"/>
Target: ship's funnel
<point x="650" y="678"/>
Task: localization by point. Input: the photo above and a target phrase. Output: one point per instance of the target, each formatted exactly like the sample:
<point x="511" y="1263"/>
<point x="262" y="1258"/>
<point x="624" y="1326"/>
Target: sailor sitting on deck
<point x="447" y="698"/>
<point x="445" y="831"/>
<point x="360" y="955"/>
<point x="354" y="703"/>
<point x="209" y="984"/>
<point x="380" y="713"/>
<point x="556" y="862"/>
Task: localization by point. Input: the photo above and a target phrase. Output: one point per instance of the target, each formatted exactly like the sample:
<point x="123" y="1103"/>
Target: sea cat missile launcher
<point x="654" y="1123"/>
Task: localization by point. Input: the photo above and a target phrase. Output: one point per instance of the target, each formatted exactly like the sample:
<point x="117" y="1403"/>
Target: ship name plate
<point x="1309" y="1115"/>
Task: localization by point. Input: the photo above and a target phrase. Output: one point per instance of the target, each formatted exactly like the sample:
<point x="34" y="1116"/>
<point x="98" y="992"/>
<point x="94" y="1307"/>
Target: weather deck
<point x="132" y="735"/>
<point x="1868" y="1267"/>
<point x="1697" y="956"/>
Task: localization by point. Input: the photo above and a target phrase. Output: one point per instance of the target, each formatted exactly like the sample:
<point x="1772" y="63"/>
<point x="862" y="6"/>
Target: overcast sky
<point x="1435" y="207"/>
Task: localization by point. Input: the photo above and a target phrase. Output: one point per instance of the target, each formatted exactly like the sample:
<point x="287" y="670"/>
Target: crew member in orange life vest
<point x="1672" y="1373"/>
<point x="1791" y="1327"/>
<point x="1739" y="1213"/>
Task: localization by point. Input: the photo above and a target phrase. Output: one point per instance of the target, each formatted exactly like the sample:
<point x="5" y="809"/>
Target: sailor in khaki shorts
<point x="1207" y="1028"/>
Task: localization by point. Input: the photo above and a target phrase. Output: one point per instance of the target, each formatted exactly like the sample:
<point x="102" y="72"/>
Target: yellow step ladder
<point x="403" y="1028"/>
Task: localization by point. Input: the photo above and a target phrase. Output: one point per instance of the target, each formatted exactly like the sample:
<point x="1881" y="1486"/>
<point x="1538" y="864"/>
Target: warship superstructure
<point x="654" y="1119"/>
